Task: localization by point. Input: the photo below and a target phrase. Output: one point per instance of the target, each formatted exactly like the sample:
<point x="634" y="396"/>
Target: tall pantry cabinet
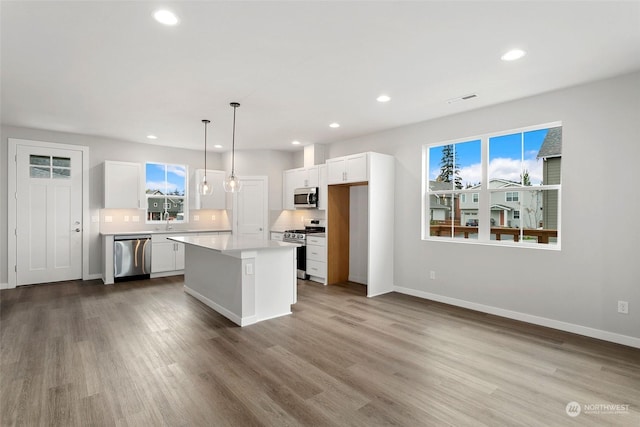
<point x="376" y="171"/>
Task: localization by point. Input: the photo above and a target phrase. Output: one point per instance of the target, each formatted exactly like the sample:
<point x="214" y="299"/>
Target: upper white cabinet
<point x="288" y="185"/>
<point x="122" y="185"/>
<point x="298" y="178"/>
<point x="217" y="199"/>
<point x="343" y="170"/>
<point x="322" y="187"/>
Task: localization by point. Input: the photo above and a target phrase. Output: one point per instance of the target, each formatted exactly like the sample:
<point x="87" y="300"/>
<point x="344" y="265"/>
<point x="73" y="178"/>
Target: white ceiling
<point x="109" y="69"/>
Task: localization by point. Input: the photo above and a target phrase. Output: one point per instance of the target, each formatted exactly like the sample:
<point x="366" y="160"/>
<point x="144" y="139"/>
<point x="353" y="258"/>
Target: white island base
<point x="247" y="281"/>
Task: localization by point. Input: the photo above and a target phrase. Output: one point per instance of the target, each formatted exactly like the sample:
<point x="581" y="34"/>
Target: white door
<point x="48" y="214"/>
<point x="252" y="208"/>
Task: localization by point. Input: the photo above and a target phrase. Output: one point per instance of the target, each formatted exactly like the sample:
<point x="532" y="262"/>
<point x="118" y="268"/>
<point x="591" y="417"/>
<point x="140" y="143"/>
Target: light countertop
<point x="229" y="243"/>
<point x="172" y="231"/>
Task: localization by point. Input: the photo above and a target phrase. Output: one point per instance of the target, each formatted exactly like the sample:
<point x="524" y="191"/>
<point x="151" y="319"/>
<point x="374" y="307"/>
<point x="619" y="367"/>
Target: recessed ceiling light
<point x="295" y="142"/>
<point x="217" y="146"/>
<point x="513" y="54"/>
<point x="334" y="125"/>
<point x="152" y="137"/>
<point x="383" y="98"/>
<point x="165" y="17"/>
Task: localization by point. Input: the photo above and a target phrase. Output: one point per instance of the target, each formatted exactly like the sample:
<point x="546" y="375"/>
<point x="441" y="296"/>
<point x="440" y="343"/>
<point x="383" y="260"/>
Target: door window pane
<point x="39" y="160"/>
<point x="59" y="173"/>
<point x="64" y="162"/>
<point x="39" y="172"/>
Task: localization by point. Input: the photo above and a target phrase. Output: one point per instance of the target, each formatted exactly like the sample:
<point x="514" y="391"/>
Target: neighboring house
<point x="508" y="209"/>
<point x="551" y="153"/>
<point x="440" y="205"/>
<point x="156" y="206"/>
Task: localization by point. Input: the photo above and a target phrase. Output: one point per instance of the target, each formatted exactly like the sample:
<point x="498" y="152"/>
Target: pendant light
<point x="204" y="187"/>
<point x="232" y="184"/>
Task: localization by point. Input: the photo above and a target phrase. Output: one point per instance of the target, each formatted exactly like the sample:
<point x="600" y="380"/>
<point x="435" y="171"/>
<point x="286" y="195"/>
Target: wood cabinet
<point x="166" y="255"/>
<point x="348" y="169"/>
<point x="123" y="185"/>
<point x="316" y="258"/>
<point x="217" y="200"/>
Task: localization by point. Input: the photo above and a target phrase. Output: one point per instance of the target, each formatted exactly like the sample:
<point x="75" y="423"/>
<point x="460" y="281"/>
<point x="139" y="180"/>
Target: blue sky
<point x="509" y="155"/>
<point x="175" y="178"/>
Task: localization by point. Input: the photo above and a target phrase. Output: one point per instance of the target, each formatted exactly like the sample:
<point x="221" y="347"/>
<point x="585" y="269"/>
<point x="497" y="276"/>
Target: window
<point x="511" y="196"/>
<point x="166" y="192"/>
<point x="514" y="181"/>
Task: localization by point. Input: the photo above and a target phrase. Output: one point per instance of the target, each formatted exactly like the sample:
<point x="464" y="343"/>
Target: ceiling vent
<point x="462" y="98"/>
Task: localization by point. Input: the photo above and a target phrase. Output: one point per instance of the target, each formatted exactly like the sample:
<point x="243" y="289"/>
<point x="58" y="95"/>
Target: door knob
<point x="77" y="230"/>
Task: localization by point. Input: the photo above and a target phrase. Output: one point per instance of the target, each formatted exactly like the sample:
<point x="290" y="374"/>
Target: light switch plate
<point x="196" y="217"/>
<point x="108" y="218"/>
<point x="136" y="218"/>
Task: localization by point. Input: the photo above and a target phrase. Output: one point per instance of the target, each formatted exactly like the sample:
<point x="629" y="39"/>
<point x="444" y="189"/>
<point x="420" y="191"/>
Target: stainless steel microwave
<point x="305" y="198"/>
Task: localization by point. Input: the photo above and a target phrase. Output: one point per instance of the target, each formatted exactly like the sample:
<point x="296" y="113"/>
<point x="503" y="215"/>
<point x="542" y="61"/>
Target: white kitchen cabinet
<point x="122" y="185"/>
<point x="348" y="169"/>
<point x="166" y="255"/>
<point x="298" y="178"/>
<point x="216" y="200"/>
<point x="316" y="258"/>
<point x="322" y="187"/>
<point x="288" y="185"/>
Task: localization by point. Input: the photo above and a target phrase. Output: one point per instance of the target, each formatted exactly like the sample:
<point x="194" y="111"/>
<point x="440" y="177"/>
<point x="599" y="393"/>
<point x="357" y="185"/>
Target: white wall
<point x="576" y="288"/>
<point x="270" y="163"/>
<point x="358" y="233"/>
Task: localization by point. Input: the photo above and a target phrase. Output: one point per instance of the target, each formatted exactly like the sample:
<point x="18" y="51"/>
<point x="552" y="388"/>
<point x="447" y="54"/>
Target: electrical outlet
<point x="623" y="307"/>
<point x="196" y="217"/>
<point x="213" y="217"/>
<point x="108" y="218"/>
<point x="432" y="275"/>
<point x="126" y="218"/>
<point x="136" y="218"/>
<point x="249" y="268"/>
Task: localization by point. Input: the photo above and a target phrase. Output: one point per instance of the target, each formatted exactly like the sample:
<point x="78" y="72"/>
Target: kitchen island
<point x="245" y="280"/>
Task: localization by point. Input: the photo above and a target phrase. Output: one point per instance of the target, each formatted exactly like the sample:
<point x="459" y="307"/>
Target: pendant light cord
<point x="233" y="143"/>
<point x="206" y="122"/>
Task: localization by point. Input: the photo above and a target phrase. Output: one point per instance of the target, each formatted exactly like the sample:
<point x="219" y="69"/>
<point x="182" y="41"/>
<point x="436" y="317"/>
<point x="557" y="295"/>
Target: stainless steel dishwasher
<point x="131" y="257"/>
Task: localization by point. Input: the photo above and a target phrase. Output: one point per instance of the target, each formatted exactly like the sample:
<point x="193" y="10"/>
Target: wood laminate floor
<point x="145" y="353"/>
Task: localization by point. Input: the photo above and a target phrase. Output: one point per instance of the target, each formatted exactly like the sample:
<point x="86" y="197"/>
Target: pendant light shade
<point x="232" y="184"/>
<point x="204" y="187"/>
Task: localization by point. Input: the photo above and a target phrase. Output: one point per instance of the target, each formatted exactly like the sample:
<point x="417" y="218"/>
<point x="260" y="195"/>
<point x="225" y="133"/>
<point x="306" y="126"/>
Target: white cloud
<point x="510" y="169"/>
<point x="176" y="170"/>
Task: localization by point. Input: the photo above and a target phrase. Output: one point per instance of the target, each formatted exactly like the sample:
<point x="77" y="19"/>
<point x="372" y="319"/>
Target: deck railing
<point x="541" y="234"/>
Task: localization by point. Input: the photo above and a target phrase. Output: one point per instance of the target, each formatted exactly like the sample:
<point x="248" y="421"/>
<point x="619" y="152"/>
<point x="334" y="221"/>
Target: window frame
<point x="167" y="203"/>
<point x="485" y="195"/>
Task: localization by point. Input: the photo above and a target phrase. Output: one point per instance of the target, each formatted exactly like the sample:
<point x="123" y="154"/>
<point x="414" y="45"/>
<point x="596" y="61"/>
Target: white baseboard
<point x="358" y="279"/>
<point x="529" y="318"/>
<point x="226" y="313"/>
<point x="93" y="276"/>
<point x="6" y="286"/>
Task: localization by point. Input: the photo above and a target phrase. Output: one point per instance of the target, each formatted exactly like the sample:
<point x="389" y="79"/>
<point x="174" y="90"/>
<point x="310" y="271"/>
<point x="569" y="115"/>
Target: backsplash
<point x="287" y="220"/>
<point x="126" y="220"/>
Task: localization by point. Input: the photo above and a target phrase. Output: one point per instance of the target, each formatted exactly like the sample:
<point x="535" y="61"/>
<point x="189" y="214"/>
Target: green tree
<point x="524" y="178"/>
<point x="449" y="171"/>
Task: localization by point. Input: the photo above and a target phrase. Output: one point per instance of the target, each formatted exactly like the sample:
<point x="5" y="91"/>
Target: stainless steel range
<point x="299" y="236"/>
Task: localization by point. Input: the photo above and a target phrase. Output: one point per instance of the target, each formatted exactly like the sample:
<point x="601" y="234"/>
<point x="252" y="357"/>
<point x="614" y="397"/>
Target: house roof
<point x="440" y="185"/>
<point x="552" y="144"/>
<point x="498" y="207"/>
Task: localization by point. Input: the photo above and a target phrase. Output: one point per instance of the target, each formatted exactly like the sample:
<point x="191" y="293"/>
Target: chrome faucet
<point x="166" y="218"/>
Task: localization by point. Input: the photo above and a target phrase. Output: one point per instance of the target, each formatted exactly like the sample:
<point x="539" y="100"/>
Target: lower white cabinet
<point x="316" y="258"/>
<point x="166" y="255"/>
